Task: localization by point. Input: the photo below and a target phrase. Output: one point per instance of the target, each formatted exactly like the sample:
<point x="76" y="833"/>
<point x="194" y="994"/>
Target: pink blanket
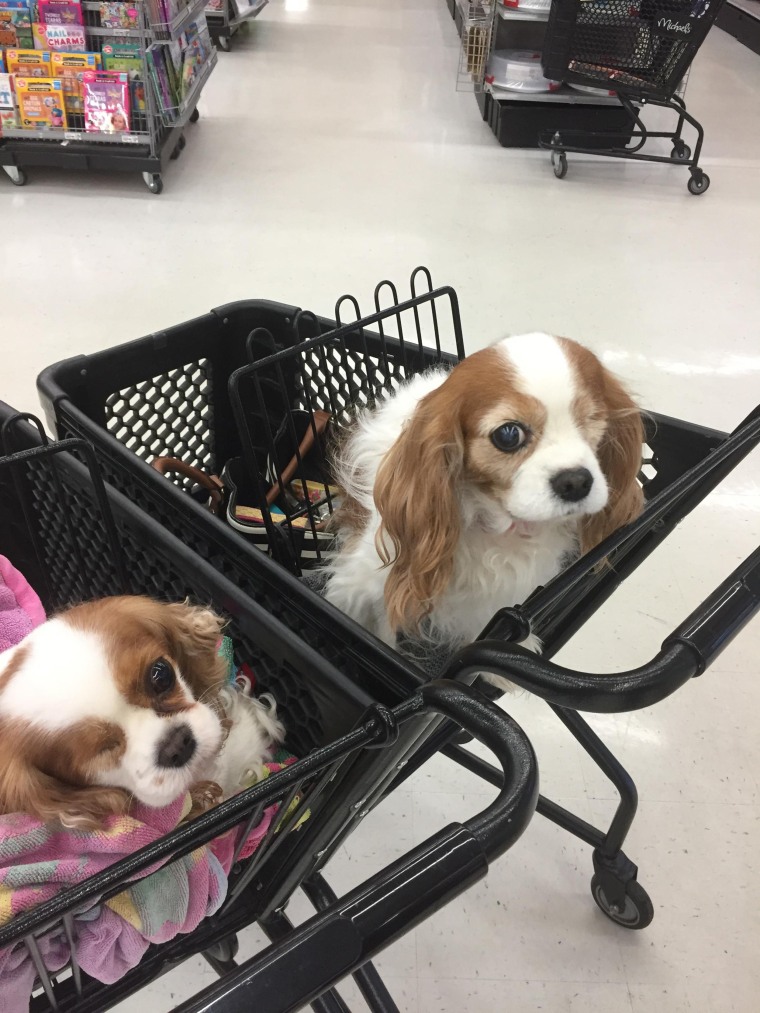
<point x="37" y="860"/>
<point x="20" y="608"/>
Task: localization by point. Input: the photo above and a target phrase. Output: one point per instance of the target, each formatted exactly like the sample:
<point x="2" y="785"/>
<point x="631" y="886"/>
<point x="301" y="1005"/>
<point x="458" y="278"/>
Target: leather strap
<point x="317" y="428"/>
<point x="211" y="483"/>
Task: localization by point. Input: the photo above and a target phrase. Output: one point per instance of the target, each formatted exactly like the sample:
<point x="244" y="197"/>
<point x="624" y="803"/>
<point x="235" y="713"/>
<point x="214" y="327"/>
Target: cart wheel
<point x="153" y="182"/>
<point x="17" y="176"/>
<point x="224" y="43"/>
<point x="195" y="115"/>
<point x="559" y="164"/>
<point x="698" y="184"/>
<point x="180" y="146"/>
<point x="225" y="949"/>
<point x="681" y="151"/>
<point x="638" y="911"/>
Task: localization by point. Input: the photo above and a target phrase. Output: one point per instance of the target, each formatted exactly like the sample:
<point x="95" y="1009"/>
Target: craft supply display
<point x="89" y="84"/>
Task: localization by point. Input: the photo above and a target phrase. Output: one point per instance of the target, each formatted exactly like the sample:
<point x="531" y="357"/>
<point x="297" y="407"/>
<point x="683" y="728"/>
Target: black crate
<point x="642" y="48"/>
<point x="188" y="367"/>
<point x="166" y="394"/>
<point x="519" y="124"/>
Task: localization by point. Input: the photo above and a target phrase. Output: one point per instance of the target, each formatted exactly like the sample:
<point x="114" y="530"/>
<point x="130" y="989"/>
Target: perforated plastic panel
<point x="169" y="415"/>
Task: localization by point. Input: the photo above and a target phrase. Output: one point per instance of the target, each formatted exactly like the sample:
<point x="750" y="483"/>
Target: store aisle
<point x="333" y="151"/>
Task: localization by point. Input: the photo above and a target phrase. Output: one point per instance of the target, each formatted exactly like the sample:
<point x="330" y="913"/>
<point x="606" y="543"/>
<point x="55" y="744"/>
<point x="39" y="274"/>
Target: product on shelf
<point x="40" y="103"/>
<point x="121" y="15"/>
<point x="175" y="68"/>
<point x="15" y="24"/>
<point x="589" y="89"/>
<point x="60" y="12"/>
<point x="518" y="70"/>
<point x="106" y="101"/>
<point x="7" y="103"/>
<point x="527" y="5"/>
<point x="70" y="68"/>
<point x="28" y="62"/>
<point x="121" y="54"/>
<point x="59" y="38"/>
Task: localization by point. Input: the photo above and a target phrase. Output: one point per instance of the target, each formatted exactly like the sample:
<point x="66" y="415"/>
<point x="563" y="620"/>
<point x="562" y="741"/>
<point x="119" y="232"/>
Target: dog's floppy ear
<point x="25" y="788"/>
<point x="416" y="495"/>
<point x="619" y="456"/>
<point x="194" y="633"/>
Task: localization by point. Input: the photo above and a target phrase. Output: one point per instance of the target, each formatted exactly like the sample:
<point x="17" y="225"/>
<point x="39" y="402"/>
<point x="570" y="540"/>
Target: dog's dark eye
<point x="160" y="677"/>
<point x="508" y="437"/>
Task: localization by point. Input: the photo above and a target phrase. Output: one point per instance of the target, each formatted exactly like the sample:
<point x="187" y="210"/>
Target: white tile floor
<point x="333" y="151"/>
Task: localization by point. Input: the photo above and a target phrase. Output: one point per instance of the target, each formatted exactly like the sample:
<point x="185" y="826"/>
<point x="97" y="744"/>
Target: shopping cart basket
<point x="178" y="392"/>
<point x="640" y="50"/>
<point x="74" y="539"/>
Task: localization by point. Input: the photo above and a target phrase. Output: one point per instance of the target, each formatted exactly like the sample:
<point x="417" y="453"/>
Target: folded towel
<point x="20" y="608"/>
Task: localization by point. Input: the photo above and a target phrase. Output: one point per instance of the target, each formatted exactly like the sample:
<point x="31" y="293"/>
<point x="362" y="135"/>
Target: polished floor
<point x="332" y="151"/>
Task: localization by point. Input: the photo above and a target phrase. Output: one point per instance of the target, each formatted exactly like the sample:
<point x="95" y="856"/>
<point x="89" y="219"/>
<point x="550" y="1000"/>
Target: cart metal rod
<point x="687" y="652"/>
<point x="337" y="941"/>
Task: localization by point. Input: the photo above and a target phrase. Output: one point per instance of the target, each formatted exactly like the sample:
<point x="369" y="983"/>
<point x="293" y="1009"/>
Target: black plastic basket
<point x="641" y="48"/>
<point x="74" y="539"/>
<point x="250" y="364"/>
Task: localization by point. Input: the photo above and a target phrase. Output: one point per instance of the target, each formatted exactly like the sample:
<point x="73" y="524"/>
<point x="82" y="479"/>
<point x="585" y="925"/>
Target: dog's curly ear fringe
<point x="195" y="633"/>
<point x="415" y="494"/>
<point x="620" y="459"/>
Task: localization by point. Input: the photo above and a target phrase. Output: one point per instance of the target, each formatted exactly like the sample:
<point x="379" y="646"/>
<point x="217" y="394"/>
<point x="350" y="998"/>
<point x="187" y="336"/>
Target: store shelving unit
<point x="156" y="131"/>
<point x="741" y="18"/>
<point x="518" y="118"/>
<point x="226" y="17"/>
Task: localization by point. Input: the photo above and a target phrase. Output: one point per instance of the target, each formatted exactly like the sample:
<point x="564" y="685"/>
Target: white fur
<point x="255" y="731"/>
<point x="507" y="547"/>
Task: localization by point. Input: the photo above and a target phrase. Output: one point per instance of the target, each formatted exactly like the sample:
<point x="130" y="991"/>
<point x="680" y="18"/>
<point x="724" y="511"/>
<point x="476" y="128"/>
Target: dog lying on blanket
<point x="125" y="698"/>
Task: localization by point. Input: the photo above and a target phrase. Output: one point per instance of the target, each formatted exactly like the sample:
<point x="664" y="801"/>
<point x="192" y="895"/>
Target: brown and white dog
<point x="119" y="698"/>
<point x="468" y="488"/>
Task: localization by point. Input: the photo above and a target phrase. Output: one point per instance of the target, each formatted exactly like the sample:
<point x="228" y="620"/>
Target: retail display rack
<point x="171" y="56"/>
<point x="518" y="116"/>
<point x="226" y="17"/>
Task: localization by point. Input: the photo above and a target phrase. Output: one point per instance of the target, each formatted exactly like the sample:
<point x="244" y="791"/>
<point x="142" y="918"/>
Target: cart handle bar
<point x="687" y="652"/>
<point x="334" y="943"/>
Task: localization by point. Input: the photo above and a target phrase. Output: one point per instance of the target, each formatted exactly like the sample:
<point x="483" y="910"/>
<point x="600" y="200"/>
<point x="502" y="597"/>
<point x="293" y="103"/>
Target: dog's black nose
<point x="177" y="748"/>
<point x="572" y="484"/>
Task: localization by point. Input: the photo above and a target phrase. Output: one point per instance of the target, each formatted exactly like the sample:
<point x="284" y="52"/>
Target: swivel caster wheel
<point x="180" y="147"/>
<point x="559" y="164"/>
<point x="17" y="176"/>
<point x="681" y="151"/>
<point x="224" y="43"/>
<point x="633" y="911"/>
<point x="195" y="115"/>
<point x="698" y="183"/>
<point x="153" y="182"/>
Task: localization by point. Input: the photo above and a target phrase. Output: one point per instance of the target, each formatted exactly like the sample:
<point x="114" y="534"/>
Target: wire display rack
<point x="156" y="126"/>
<point x="75" y="539"/>
<point x="226" y="17"/>
<point x="225" y="384"/>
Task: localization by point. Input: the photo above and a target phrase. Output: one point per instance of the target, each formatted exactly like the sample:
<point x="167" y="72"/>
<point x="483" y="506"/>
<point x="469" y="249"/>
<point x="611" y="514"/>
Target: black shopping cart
<point x="640" y="50"/>
<point x="226" y="385"/>
<point x="74" y="539"/>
